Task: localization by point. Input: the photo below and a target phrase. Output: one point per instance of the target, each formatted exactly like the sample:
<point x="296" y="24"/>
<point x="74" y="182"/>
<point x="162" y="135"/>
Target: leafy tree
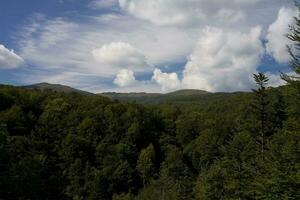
<point x="210" y="183"/>
<point x="279" y="112"/>
<point x="282" y="180"/>
<point x="146" y="163"/>
<point x="232" y="176"/>
<point x="57" y="145"/>
<point x="239" y="163"/>
<point x="188" y="127"/>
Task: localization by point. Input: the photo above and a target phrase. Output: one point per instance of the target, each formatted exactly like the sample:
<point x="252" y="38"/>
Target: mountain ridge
<point x="56" y="88"/>
<point x="66" y="88"/>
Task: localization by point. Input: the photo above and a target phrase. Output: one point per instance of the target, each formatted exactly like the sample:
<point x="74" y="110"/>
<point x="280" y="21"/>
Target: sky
<point x="144" y="45"/>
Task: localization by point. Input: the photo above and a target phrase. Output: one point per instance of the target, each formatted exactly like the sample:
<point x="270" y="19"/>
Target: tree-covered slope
<point x="56" y="87"/>
<point x="57" y="145"/>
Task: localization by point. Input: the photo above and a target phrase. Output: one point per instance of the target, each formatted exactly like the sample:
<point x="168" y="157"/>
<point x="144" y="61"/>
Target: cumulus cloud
<point x="223" y="60"/>
<point x="167" y="81"/>
<point x="178" y="12"/>
<point x="125" y="78"/>
<point x="120" y="55"/>
<point x="277" y="40"/>
<point x="9" y="59"/>
<point x="152" y="33"/>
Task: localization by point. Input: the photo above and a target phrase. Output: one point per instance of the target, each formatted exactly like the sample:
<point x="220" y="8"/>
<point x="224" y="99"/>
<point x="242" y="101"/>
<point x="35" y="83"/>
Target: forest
<point x="58" y="145"/>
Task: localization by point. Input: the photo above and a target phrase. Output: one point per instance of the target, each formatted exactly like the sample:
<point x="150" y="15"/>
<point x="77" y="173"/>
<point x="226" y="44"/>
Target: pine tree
<point x="294" y="36"/>
<point x="293" y="49"/>
<point x="261" y="107"/>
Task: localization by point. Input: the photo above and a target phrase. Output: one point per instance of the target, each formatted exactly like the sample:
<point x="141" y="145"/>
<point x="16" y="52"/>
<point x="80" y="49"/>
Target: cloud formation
<point x="277" y="39"/>
<point x="223" y="60"/>
<point x="9" y="59"/>
<point x="142" y="35"/>
<point x="187" y="13"/>
<point x="167" y="81"/>
<point x="120" y="55"/>
<point x="125" y="78"/>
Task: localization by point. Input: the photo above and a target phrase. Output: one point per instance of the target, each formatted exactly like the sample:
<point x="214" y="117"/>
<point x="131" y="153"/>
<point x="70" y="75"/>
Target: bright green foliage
<point x="146" y="163"/>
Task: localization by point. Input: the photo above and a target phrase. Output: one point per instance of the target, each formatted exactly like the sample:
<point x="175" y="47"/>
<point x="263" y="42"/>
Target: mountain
<point x="188" y="92"/>
<point x="156" y="97"/>
<point x="179" y="96"/>
<point x="56" y="87"/>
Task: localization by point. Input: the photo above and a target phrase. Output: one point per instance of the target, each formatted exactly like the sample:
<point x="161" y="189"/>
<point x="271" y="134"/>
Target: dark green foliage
<point x="261" y="110"/>
<point x="192" y="145"/>
<point x="71" y="146"/>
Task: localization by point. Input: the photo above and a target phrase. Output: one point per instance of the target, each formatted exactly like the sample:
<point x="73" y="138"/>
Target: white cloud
<point x="275" y="80"/>
<point x="189" y="12"/>
<point x="120" y="55"/>
<point x="168" y="81"/>
<point x="125" y="78"/>
<point x="277" y="32"/>
<point x="9" y="59"/>
<point x="71" y="48"/>
<point x="223" y="61"/>
<point x="151" y="33"/>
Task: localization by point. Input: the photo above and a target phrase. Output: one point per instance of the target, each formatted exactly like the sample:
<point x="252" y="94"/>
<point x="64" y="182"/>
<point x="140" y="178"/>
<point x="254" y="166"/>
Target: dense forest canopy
<point x="56" y="145"/>
<point x="72" y="146"/>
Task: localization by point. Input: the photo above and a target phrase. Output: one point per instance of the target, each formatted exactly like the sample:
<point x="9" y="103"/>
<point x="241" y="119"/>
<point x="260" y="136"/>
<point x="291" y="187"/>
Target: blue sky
<point x="144" y="45"/>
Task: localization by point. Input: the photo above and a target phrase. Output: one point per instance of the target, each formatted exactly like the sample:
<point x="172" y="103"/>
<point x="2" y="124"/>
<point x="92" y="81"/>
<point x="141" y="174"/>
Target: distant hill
<point x="56" y="87"/>
<point x="188" y="92"/>
<point x="186" y="96"/>
<point x="156" y="97"/>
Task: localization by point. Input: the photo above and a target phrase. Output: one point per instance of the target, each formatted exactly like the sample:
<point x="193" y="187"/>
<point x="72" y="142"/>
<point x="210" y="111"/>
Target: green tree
<point x="294" y="79"/>
<point x="239" y="163"/>
<point x="146" y="163"/>
<point x="231" y="177"/>
<point x="261" y="109"/>
<point x="279" y="112"/>
<point x="210" y="183"/>
<point x="188" y="127"/>
<point x="282" y="177"/>
<point x="293" y="49"/>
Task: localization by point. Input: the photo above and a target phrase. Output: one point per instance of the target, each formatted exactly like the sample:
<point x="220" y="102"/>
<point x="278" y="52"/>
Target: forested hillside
<point x="72" y="146"/>
<point x="192" y="145"/>
<point x="154" y="98"/>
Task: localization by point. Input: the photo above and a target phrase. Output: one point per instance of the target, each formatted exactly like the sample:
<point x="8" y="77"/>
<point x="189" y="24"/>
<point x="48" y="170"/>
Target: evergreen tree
<point x="279" y="112"/>
<point x="293" y="49"/>
<point x="261" y="110"/>
<point x="231" y="177"/>
<point x="281" y="179"/>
